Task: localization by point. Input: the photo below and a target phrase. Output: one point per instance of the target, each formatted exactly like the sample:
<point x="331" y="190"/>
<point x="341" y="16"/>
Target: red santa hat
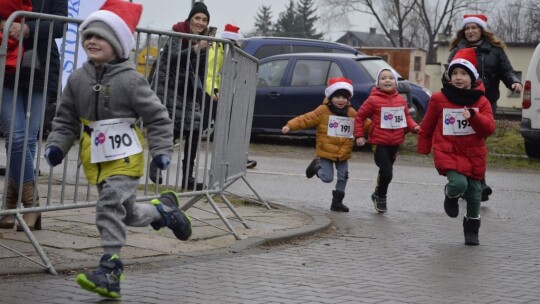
<point x="479" y="19"/>
<point x="466" y="59"/>
<point x="338" y="83"/>
<point x="230" y="32"/>
<point x="115" y="21"/>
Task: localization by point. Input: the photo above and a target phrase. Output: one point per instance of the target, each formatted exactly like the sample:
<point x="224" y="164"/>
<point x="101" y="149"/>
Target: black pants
<point x="190" y="152"/>
<point x="384" y="156"/>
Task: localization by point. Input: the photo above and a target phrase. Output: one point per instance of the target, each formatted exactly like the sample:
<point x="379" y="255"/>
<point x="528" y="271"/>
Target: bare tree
<point x="419" y="21"/>
<point x="517" y="22"/>
<point x="390" y="15"/>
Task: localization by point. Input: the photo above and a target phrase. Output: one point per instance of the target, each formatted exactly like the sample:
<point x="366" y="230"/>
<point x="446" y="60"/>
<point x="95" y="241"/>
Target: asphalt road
<point x="412" y="254"/>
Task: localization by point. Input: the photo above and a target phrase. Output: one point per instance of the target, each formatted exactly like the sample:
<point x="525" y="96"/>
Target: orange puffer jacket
<point x="329" y="147"/>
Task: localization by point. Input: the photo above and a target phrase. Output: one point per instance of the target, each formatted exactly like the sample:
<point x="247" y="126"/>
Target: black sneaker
<point x="486" y="192"/>
<point x="451" y="206"/>
<point x="251" y="164"/>
<point x="176" y="220"/>
<point x="104" y="281"/>
<point x="379" y="203"/>
<point x="313" y="167"/>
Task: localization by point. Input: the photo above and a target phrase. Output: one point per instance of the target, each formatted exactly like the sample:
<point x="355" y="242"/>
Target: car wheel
<point x="531" y="148"/>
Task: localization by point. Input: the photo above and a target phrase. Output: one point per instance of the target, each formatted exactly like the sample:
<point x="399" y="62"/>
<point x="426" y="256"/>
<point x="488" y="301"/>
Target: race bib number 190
<point x="113" y="139"/>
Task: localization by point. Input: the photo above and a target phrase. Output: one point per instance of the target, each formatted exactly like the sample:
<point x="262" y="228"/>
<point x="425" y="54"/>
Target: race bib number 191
<point x="339" y="126"/>
<point x="113" y="139"/>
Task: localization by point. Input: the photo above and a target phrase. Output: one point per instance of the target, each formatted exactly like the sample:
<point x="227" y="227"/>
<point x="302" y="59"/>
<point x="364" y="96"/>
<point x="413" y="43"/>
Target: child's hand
<point x="466" y="114"/>
<point x="360" y="141"/>
<point x="161" y="161"/>
<point x="285" y="129"/>
<point x="53" y="155"/>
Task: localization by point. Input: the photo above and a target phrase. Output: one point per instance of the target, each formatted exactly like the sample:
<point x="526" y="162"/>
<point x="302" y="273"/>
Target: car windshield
<point x="372" y="66"/>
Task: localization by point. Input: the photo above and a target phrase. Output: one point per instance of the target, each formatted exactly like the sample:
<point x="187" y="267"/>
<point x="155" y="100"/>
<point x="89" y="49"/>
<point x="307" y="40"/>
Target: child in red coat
<point x="390" y="118"/>
<point x="457" y="121"/>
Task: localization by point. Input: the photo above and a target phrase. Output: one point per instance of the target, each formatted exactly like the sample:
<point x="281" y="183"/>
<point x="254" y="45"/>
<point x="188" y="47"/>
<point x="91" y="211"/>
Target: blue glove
<point x="53" y="155"/>
<point x="162" y="161"/>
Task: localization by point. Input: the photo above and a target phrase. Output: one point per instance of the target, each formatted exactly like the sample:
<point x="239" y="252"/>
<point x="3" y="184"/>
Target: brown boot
<point x="33" y="220"/>
<point x="8" y="221"/>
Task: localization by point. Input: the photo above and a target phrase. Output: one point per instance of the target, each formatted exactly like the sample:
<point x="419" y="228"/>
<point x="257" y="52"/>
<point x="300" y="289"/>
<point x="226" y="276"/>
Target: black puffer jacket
<point x="493" y="67"/>
<point x="180" y="51"/>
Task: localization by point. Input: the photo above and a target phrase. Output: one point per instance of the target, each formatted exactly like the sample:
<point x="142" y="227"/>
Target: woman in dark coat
<point x="184" y="105"/>
<point x="493" y="63"/>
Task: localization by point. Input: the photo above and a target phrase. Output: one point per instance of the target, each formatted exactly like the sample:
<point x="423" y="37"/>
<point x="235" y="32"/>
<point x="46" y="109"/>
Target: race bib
<point x="454" y="124"/>
<point x="113" y="139"/>
<point x="393" y="118"/>
<point x="339" y="126"/>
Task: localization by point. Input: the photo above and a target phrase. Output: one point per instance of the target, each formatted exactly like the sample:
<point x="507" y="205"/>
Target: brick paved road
<point x="413" y="254"/>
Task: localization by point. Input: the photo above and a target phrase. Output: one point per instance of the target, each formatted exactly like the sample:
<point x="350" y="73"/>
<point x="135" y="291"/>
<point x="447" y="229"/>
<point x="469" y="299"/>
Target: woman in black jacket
<point x="181" y="87"/>
<point x="493" y="64"/>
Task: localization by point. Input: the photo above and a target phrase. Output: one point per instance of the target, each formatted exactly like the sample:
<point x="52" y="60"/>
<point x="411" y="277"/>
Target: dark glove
<point x="162" y="161"/>
<point x="53" y="155"/>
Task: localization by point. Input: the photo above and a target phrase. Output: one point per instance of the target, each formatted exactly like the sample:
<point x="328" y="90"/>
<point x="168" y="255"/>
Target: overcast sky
<point x="162" y="14"/>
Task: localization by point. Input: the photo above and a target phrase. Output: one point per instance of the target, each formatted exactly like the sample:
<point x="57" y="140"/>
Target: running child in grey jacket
<point x="108" y="97"/>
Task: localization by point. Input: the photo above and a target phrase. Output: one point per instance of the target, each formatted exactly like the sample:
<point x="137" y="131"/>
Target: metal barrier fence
<point x="222" y="141"/>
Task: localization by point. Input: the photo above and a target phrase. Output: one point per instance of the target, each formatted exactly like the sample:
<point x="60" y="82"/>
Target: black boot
<point x="337" y="201"/>
<point x="313" y="168"/>
<point x="191" y="184"/>
<point x="470" y="229"/>
<point x="486" y="190"/>
<point x="451" y="206"/>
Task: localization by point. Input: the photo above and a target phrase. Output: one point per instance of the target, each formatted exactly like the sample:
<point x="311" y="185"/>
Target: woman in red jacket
<point x="390" y="119"/>
<point x="457" y="121"/>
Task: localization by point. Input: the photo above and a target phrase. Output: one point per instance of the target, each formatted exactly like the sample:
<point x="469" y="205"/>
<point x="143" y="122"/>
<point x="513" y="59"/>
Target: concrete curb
<point x="319" y="222"/>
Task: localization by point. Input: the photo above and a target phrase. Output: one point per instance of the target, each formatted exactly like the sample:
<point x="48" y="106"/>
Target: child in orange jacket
<point x="334" y="122"/>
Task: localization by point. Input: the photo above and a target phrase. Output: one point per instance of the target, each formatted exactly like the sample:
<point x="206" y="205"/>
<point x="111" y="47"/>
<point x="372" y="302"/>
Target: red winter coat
<point x="371" y="108"/>
<point x="465" y="154"/>
<point x="7" y="7"/>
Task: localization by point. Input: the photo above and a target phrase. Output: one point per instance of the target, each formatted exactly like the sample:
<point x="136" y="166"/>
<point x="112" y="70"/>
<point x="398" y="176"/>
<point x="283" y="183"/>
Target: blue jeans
<point x="16" y="165"/>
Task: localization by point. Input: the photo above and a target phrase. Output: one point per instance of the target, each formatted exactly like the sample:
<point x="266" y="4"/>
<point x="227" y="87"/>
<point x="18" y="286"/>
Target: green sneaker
<point x="104" y="281"/>
<point x="176" y="220"/>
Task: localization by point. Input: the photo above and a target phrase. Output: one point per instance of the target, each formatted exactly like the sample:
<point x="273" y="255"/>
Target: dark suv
<point x="294" y="84"/>
<point x="262" y="47"/>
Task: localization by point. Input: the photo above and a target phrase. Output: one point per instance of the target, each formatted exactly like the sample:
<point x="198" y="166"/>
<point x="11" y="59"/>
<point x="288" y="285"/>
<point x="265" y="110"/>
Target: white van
<point x="530" y="112"/>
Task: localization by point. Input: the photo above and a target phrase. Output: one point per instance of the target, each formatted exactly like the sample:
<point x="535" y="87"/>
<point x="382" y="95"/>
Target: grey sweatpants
<point x="116" y="208"/>
<point x="326" y="172"/>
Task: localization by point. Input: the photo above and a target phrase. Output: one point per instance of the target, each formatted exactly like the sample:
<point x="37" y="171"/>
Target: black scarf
<point x="338" y="111"/>
<point x="462" y="97"/>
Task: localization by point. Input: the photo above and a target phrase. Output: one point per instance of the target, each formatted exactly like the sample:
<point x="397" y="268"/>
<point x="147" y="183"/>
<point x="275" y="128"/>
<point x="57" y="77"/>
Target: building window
<point x="513" y="94"/>
<point x="417" y="63"/>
